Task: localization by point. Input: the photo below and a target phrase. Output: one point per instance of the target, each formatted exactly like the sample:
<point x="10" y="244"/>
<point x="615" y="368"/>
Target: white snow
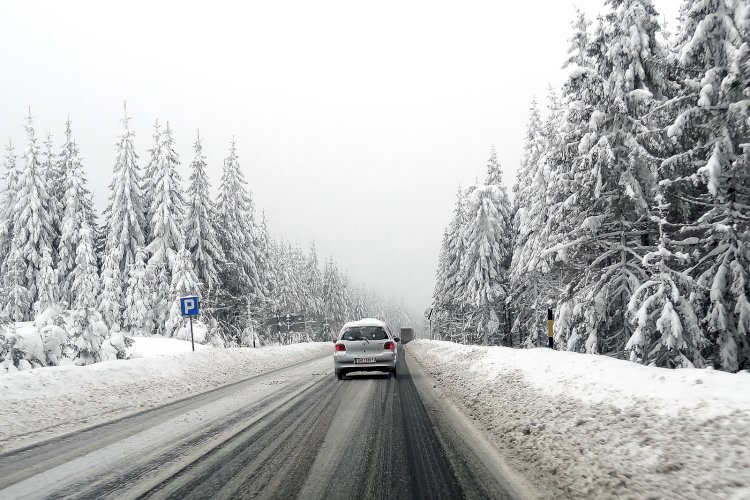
<point x="40" y="404"/>
<point x="364" y="322"/>
<point x="29" y="339"/>
<point x="150" y="347"/>
<point x="587" y="426"/>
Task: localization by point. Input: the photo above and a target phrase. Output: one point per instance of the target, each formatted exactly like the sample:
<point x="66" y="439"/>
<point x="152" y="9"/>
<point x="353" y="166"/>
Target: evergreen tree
<point x="16" y="297"/>
<point x="534" y="147"/>
<point x="535" y="275"/>
<point x="333" y="298"/>
<point x="51" y="175"/>
<point x="712" y="130"/>
<point x="236" y="231"/>
<point x="84" y="280"/>
<point x="289" y="287"/>
<point x="313" y="283"/>
<point x="184" y="282"/>
<point x="304" y="294"/>
<point x="159" y="281"/>
<point x="8" y="197"/>
<point x="440" y="312"/>
<point x="33" y="232"/>
<point x="667" y="332"/>
<point x="358" y="302"/>
<point x="449" y="304"/>
<point x="138" y="317"/>
<point x="529" y="207"/>
<point x="125" y="219"/>
<point x="110" y="299"/>
<point x="166" y="206"/>
<point x="495" y="178"/>
<point x="88" y="333"/>
<point x="148" y="185"/>
<point x="57" y="172"/>
<point x="578" y="43"/>
<point x="268" y="271"/>
<point x="484" y="265"/>
<point x="200" y="235"/>
<point x="346" y="296"/>
<point x="47" y="284"/>
<point x="77" y="212"/>
<point x="612" y="171"/>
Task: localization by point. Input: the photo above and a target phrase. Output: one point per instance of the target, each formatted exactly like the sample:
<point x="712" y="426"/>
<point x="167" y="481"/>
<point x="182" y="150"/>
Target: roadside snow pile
<point x="587" y="426"/>
<point x="39" y="404"/>
<point x="149" y="347"/>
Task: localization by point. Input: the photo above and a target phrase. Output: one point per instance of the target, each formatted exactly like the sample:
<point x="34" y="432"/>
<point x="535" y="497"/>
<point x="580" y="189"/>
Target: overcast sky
<point x="355" y="121"/>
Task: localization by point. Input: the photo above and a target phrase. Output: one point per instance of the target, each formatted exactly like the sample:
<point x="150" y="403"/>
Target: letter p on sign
<point x="190" y="305"/>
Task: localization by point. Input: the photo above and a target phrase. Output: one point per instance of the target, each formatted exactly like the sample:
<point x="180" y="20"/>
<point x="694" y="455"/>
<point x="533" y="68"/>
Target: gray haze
<point x="355" y="122"/>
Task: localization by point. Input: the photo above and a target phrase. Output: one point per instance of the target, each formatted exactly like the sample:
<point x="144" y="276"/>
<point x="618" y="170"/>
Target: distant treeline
<point x="83" y="282"/>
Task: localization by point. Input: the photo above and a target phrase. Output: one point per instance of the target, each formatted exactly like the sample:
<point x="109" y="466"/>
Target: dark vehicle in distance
<point x="407" y="335"/>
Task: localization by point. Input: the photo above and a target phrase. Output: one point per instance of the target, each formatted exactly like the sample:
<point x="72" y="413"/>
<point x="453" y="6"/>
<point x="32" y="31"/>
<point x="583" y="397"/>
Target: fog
<point x="355" y="123"/>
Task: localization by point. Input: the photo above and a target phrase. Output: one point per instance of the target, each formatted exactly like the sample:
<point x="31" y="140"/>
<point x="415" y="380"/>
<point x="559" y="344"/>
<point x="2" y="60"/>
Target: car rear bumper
<point x="383" y="362"/>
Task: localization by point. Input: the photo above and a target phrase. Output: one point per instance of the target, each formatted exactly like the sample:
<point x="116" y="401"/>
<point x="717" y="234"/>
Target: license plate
<point x="358" y="361"/>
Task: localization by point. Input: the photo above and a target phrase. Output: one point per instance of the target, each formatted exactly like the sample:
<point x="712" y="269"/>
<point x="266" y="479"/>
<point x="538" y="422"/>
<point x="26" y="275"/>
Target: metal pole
<point x="192" y="341"/>
<point x="550" y="328"/>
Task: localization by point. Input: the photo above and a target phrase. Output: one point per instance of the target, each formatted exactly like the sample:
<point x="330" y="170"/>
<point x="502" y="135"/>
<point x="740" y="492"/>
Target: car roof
<point x="365" y="322"/>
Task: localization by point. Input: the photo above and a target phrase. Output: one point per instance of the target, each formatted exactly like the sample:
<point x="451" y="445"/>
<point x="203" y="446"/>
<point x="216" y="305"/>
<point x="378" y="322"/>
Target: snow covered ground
<point x="149" y="347"/>
<point x="43" y="403"/>
<point x="583" y="426"/>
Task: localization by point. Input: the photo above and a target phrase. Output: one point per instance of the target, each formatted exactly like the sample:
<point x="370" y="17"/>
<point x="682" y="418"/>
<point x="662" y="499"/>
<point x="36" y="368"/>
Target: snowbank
<point x="149" y="347"/>
<point x="583" y="426"/>
<point x="39" y="404"/>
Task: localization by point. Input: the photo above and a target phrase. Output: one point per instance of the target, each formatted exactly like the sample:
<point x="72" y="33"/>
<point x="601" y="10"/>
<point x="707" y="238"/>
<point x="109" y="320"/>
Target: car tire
<point x="394" y="373"/>
<point x="340" y="374"/>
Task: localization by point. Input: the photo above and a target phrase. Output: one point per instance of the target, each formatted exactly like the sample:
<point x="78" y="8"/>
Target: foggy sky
<point x="355" y="122"/>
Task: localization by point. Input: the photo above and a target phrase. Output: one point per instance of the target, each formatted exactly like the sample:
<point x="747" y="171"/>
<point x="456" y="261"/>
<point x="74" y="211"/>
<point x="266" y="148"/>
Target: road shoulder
<point x="469" y="444"/>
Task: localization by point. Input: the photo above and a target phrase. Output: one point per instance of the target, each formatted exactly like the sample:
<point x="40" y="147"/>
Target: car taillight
<point x="340" y="347"/>
<point x="389" y="346"/>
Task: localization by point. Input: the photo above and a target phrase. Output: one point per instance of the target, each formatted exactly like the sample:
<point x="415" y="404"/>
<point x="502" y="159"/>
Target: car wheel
<point x="340" y="374"/>
<point x="394" y="373"/>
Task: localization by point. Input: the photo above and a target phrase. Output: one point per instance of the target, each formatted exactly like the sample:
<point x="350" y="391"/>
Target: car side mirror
<point x="334" y="341"/>
<point x="397" y="339"/>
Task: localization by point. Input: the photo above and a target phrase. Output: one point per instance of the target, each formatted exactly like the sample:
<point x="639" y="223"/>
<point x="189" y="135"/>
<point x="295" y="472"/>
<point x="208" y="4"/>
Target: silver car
<point x="366" y="345"/>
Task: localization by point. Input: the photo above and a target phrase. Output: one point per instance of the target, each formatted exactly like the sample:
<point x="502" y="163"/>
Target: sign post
<point x="550" y="328"/>
<point x="190" y="306"/>
<point x="428" y="315"/>
<point x="286" y="323"/>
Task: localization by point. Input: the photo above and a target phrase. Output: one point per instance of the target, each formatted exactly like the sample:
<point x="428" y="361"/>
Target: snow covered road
<point x="293" y="432"/>
<point x="40" y="404"/>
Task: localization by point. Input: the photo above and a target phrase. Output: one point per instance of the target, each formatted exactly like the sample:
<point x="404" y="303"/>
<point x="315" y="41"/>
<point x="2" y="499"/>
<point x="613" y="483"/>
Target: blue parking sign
<point x="190" y="305"/>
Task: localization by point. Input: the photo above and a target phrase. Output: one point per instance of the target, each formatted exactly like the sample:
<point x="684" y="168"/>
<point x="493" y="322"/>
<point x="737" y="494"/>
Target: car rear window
<point x="366" y="332"/>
